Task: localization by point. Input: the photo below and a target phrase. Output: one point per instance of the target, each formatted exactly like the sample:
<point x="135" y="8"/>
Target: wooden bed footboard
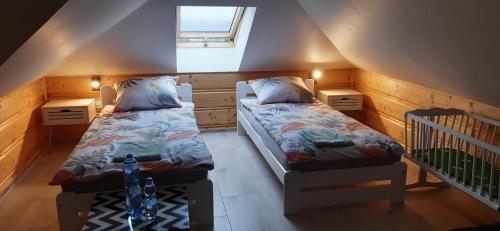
<point x="337" y="187"/>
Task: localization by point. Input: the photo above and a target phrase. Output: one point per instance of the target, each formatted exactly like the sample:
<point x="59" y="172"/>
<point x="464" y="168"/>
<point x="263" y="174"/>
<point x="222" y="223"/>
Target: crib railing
<point x="460" y="148"/>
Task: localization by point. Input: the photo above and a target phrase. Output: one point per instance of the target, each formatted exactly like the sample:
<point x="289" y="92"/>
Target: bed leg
<point x="69" y="205"/>
<point x="200" y="204"/>
<point x="291" y="197"/>
<point x="422" y="181"/>
<point x="240" y="129"/>
<point x="398" y="183"/>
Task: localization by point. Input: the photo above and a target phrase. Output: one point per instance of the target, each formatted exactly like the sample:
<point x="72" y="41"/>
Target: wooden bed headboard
<point x="184" y="92"/>
<point x="243" y="90"/>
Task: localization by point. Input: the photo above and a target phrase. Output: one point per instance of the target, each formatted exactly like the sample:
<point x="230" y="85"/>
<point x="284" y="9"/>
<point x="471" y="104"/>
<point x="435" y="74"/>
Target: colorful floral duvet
<point x="296" y="127"/>
<point x="170" y="132"/>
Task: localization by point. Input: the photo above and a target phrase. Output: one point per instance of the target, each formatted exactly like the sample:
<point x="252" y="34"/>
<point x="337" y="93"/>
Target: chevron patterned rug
<point x="108" y="211"/>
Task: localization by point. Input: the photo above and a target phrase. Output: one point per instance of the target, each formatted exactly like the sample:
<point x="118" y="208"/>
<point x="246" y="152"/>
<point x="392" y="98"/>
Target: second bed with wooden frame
<point x="307" y="189"/>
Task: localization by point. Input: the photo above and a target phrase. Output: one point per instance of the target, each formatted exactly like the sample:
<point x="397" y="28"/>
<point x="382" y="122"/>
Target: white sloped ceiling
<point x="451" y="45"/>
<point x="74" y="24"/>
<point x="143" y="42"/>
<point x="282" y="37"/>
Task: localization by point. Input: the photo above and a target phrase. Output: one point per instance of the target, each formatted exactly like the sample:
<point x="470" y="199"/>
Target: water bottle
<point x="150" y="202"/>
<point x="135" y="201"/>
<point x="132" y="187"/>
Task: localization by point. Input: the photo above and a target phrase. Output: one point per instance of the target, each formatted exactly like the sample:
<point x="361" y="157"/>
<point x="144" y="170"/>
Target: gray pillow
<point x="146" y="94"/>
<point x="281" y="90"/>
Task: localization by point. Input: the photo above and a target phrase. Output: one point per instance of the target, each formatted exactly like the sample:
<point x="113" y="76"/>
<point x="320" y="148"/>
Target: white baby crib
<point x="460" y="148"/>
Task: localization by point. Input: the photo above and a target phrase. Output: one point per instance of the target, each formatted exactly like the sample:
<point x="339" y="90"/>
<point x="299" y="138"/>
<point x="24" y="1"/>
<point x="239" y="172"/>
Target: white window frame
<point x="206" y="36"/>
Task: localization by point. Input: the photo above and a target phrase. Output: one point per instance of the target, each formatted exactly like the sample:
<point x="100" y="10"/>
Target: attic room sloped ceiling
<point x="73" y="25"/>
<point x="282" y="37"/>
<point x="143" y="42"/>
<point x="447" y="45"/>
<point x="21" y="19"/>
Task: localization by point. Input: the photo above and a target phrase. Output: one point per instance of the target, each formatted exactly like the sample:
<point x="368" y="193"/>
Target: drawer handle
<point x="65" y="110"/>
<point x="345" y="98"/>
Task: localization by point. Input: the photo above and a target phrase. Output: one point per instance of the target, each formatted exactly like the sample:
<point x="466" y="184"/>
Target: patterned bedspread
<point x="291" y="126"/>
<point x="171" y="132"/>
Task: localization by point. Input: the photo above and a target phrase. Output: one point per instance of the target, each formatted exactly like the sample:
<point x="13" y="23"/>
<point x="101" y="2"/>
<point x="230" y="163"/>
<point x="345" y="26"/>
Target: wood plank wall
<point x="387" y="99"/>
<point x="213" y="93"/>
<point x="22" y="136"/>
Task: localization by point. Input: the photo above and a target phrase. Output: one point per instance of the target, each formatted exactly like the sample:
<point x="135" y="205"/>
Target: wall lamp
<point x="316" y="74"/>
<point x="96" y="83"/>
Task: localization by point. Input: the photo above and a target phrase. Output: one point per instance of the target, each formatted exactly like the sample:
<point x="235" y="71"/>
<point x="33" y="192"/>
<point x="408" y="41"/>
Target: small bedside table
<point x="342" y="99"/>
<point x="67" y="112"/>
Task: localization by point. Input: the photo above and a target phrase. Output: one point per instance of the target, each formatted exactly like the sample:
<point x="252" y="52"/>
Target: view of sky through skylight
<point x="206" y="19"/>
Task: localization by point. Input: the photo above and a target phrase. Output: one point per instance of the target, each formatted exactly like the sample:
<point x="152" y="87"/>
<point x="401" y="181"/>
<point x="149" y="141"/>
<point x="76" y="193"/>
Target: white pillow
<point x="146" y="94"/>
<point x="281" y="90"/>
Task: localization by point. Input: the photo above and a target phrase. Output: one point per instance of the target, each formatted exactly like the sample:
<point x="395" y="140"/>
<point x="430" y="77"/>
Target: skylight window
<point x="208" y="26"/>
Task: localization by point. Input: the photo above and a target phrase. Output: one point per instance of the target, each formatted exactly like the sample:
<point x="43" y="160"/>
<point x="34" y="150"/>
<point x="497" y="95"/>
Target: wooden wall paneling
<point x="214" y="92"/>
<point x="58" y="85"/>
<point x="110" y="80"/>
<point x="12" y="104"/>
<point x="214" y="99"/>
<point x="17" y="156"/>
<point x="421" y="96"/>
<point x="358" y="115"/>
<point x="384" y="103"/>
<point x="19" y="125"/>
<point x="22" y="136"/>
<point x="386" y="100"/>
<point x="212" y="81"/>
<point x="385" y="124"/>
<point x="44" y="88"/>
<point x="389" y="86"/>
<point x="77" y="86"/>
<point x="334" y="79"/>
<point x="18" y="100"/>
<point x="204" y="81"/>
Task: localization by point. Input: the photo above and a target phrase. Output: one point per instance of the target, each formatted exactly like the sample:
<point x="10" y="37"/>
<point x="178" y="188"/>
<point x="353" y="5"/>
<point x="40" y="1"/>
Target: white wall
<point x="282" y="37"/>
<point x="450" y="45"/>
<point x="143" y="42"/>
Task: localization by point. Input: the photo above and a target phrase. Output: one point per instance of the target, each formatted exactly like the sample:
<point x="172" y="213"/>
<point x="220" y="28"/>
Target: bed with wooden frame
<point x="77" y="197"/>
<point x="307" y="189"/>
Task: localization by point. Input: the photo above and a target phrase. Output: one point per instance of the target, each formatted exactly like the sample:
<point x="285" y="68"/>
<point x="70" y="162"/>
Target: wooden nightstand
<point x="342" y="99"/>
<point x="67" y="112"/>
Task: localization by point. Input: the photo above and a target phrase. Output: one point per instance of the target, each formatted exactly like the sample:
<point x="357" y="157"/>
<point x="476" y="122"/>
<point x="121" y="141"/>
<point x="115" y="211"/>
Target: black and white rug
<point x="108" y="211"/>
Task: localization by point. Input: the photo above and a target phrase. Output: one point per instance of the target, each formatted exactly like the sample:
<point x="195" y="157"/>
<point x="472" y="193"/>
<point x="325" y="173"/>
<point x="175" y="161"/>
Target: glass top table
<point x="108" y="211"/>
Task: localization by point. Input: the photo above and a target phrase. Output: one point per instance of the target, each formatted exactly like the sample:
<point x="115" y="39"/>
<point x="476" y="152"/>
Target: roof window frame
<point x="204" y="39"/>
